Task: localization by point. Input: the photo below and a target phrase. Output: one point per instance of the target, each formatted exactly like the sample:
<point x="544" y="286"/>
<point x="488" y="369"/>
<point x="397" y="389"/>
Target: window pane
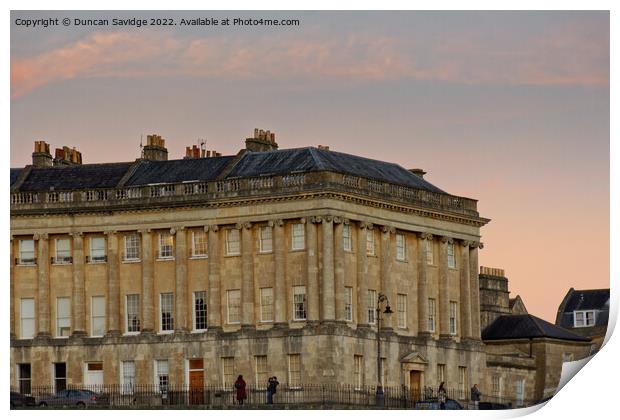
<point x="232" y="242"/>
<point x="348" y="304"/>
<point x="299" y="302"/>
<point x="372" y="298"/>
<point x="346" y="237"/>
<point x="266" y="242"/>
<point x="298" y="240"/>
<point x="200" y="245"/>
<point x="27" y="318"/>
<point x="165" y="245"/>
<point x="26" y="251"/>
<point x="133" y="313"/>
<point x="234" y="302"/>
<point x="200" y="310"/>
<point x="370" y="242"/>
<point x="132" y="246"/>
<point x="63" y="317"/>
<point x="97" y="248"/>
<point x="98" y="316"/>
<point x="402" y="310"/>
<point x="266" y="304"/>
<point x="166" y="303"/>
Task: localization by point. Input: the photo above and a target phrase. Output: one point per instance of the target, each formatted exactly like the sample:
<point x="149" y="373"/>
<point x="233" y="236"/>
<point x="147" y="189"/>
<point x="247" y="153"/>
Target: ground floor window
<point x="262" y="373"/>
<point x="294" y="370"/>
<point x="60" y="376"/>
<point x="358" y="371"/>
<point x="128" y="376"/>
<point x="24" y="378"/>
<point x="228" y="371"/>
<point x="161" y="375"/>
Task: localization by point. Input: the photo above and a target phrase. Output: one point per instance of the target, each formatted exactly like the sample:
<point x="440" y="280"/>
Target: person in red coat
<point x="240" y="387"/>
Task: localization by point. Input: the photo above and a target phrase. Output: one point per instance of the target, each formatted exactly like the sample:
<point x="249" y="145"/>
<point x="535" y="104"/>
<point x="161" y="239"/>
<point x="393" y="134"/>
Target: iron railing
<point x="212" y="396"/>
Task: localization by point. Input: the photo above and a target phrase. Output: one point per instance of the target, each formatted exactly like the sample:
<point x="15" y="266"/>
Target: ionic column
<point x="12" y="291"/>
<point x="387" y="288"/>
<point x="313" y="269"/>
<point x="180" y="289"/>
<point x="339" y="266"/>
<point x="43" y="289"/>
<point x="444" y="288"/>
<point x="114" y="285"/>
<point x="78" y="304"/>
<point x="465" y="292"/>
<point x="148" y="325"/>
<point x="362" y="274"/>
<point x="329" y="303"/>
<point x="279" y="255"/>
<point x="214" y="309"/>
<point x="475" y="288"/>
<point x="423" y="283"/>
<point x="247" y="274"/>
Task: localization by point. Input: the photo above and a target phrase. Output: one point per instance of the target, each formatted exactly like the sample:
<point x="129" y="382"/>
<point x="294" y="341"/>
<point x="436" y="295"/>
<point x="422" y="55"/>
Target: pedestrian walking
<point x="441" y="396"/>
<point x="240" y="387"/>
<point x="272" y="385"/>
<point x="475" y="396"/>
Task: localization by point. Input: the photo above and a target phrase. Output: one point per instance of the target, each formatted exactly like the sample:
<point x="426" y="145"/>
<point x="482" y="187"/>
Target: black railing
<point x="211" y="396"/>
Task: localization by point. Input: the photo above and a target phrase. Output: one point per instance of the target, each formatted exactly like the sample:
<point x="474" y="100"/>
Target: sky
<point x="509" y="108"/>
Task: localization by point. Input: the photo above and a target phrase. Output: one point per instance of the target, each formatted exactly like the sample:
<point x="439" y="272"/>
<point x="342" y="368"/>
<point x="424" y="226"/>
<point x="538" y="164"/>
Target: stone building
<point x="586" y="313"/>
<point x="524" y="353"/>
<point x="267" y="262"/>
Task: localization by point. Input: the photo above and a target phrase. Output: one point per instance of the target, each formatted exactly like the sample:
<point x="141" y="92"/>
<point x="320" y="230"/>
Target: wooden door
<point x="415" y="384"/>
<point x="196" y="382"/>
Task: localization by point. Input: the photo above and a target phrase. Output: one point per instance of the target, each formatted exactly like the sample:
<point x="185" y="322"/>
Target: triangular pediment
<point x="413" y="357"/>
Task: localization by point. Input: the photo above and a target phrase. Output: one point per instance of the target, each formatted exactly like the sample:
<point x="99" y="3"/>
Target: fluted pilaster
<point x="114" y="285"/>
<point x="247" y="274"/>
<point x="180" y="289"/>
<point x="148" y="325"/>
<point x="423" y="291"/>
<point x="444" y="289"/>
<point x="475" y="288"/>
<point x="279" y="255"/>
<point x="313" y="269"/>
<point x="327" y="284"/>
<point x="339" y="267"/>
<point x="465" y="292"/>
<point x="362" y="273"/>
<point x="215" y="307"/>
<point x="43" y="285"/>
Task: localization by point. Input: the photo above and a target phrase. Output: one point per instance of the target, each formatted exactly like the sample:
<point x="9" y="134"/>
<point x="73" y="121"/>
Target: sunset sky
<point x="509" y="108"/>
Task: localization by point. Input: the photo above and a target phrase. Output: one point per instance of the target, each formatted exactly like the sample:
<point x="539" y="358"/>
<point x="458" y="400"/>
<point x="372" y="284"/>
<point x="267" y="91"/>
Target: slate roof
<point x="511" y="327"/>
<point x="250" y="164"/>
<point x="105" y="175"/>
<point x="15" y="174"/>
<point x="172" y="171"/>
<point x="309" y="159"/>
<point x="581" y="300"/>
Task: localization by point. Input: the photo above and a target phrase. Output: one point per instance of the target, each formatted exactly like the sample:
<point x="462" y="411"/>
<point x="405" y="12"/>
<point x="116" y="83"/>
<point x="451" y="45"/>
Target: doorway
<point x="196" y="381"/>
<point x="415" y="384"/>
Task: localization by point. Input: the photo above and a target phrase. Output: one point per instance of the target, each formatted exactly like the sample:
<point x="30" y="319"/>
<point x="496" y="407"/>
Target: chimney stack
<point x="418" y="172"/>
<point x="67" y="156"/>
<point x="155" y="148"/>
<point x="263" y="141"/>
<point x="321" y="147"/>
<point x="41" y="157"/>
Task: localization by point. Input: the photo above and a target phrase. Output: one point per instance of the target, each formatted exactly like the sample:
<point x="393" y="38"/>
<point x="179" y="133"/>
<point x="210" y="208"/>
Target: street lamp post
<point x="381" y="300"/>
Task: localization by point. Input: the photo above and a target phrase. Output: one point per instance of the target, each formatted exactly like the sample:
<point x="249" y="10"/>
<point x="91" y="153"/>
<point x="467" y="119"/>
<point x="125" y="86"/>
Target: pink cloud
<point x="548" y="61"/>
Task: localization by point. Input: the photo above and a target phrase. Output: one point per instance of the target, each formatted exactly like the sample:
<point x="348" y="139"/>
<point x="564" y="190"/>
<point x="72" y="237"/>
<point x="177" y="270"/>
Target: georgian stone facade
<point x="289" y="275"/>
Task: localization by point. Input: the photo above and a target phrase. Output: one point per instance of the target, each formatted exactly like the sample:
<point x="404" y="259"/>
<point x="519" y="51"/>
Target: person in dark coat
<point x="240" y="387"/>
<point x="272" y="384"/>
<point x="441" y="396"/>
<point x="475" y="396"/>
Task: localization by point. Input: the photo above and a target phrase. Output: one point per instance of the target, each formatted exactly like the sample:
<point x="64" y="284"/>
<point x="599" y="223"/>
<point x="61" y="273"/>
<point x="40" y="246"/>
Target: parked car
<point x="20" y="400"/>
<point x="73" y="397"/>
<point x="433" y="404"/>
<point x="493" y="406"/>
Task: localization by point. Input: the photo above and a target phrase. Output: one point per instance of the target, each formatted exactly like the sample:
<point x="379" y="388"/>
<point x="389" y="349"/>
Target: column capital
<point x="246" y="225"/>
<point x="328" y="218"/>
<point x="388" y="229"/>
<point x="475" y="244"/>
<point x="144" y="231"/>
<point x="447" y="239"/>
<point x="465" y="243"/>
<point x="79" y="234"/>
<point x="275" y="222"/>
<point x="426" y="236"/>
<point x="316" y="219"/>
<point x="38" y="236"/>
<point x="366" y="225"/>
<point x="106" y="232"/>
<point x="212" y="228"/>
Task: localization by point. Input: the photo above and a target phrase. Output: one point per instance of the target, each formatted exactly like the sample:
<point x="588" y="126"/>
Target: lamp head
<point x="388" y="310"/>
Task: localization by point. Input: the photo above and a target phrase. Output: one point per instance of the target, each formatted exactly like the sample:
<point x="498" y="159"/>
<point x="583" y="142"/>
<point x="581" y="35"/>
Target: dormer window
<point x="584" y="318"/>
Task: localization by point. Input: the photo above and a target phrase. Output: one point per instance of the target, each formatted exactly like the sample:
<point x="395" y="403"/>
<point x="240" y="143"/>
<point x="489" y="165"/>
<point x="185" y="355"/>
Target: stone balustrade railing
<point x="238" y="188"/>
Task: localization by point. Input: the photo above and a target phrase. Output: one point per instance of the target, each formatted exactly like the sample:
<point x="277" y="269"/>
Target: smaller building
<point x="586" y="313"/>
<point x="525" y="356"/>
